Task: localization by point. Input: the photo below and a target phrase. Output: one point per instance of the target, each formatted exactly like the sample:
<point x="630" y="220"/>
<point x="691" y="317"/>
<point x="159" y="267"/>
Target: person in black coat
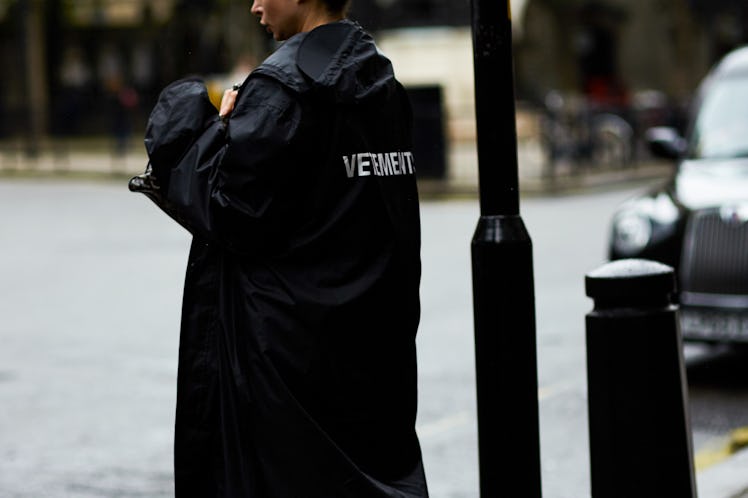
<point x="297" y="361"/>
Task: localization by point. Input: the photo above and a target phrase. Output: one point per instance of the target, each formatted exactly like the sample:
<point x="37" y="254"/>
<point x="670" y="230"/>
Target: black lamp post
<point x="503" y="289"/>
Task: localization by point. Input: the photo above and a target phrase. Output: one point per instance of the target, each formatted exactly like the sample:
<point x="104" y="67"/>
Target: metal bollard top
<point x="631" y="281"/>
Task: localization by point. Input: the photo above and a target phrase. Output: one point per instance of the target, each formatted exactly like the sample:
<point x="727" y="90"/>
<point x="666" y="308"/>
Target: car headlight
<point x="632" y="233"/>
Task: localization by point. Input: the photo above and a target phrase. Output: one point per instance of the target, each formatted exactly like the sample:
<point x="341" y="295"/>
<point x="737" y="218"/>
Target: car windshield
<point x="721" y="128"/>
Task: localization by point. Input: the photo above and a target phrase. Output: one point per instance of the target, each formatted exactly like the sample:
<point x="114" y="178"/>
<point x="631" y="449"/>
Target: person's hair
<point x="337" y="6"/>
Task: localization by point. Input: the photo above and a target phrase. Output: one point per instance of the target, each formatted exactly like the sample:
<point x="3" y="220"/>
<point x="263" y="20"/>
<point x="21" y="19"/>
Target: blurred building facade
<point x="83" y="64"/>
<point x="72" y="59"/>
<point x="622" y="54"/>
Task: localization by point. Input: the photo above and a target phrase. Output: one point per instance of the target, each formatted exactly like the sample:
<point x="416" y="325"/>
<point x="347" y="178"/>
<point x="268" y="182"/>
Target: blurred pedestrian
<point x="297" y="361"/>
<point x="75" y="87"/>
<point x="121" y="97"/>
<point x="124" y="104"/>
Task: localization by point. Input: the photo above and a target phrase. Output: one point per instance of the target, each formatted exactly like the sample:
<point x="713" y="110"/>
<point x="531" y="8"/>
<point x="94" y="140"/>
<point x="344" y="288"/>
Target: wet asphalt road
<point x="90" y="293"/>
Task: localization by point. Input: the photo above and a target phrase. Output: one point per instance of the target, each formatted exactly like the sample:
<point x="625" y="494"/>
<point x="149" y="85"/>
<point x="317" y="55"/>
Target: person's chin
<point x="270" y="31"/>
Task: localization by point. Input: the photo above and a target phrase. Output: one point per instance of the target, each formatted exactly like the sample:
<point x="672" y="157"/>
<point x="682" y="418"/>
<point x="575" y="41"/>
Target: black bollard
<point x="503" y="289"/>
<point x="640" y="437"/>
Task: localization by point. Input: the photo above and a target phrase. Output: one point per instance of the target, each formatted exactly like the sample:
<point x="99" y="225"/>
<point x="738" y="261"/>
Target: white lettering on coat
<point x="379" y="164"/>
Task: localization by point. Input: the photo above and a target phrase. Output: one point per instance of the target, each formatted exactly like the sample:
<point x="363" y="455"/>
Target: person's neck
<point x="316" y="19"/>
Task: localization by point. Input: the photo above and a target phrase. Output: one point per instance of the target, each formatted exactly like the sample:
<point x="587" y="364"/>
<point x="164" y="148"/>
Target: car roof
<point x="734" y="62"/>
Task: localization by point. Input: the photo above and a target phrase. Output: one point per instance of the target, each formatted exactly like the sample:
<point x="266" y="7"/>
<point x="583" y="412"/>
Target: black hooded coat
<point x="297" y="361"/>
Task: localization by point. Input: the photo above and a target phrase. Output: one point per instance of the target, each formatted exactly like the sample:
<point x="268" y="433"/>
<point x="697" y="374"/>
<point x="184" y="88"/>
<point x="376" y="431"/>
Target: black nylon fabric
<point x="297" y="361"/>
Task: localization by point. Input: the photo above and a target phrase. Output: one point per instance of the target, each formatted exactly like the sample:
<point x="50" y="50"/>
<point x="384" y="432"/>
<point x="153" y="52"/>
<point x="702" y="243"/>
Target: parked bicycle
<point x="579" y="134"/>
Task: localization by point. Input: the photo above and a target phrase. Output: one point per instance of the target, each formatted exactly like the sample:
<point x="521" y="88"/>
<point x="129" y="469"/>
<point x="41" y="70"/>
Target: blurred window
<point x="721" y="128"/>
<point x="115" y="12"/>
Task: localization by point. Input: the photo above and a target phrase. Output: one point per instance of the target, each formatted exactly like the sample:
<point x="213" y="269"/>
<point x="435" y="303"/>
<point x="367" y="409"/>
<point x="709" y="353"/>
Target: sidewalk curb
<point x="93" y="158"/>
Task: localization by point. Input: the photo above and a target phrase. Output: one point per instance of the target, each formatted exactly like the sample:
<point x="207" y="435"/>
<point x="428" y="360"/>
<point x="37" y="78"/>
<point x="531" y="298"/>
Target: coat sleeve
<point x="225" y="187"/>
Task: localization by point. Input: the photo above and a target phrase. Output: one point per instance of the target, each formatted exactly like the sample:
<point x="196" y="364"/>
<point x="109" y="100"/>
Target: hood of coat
<point x="182" y="111"/>
<point x="338" y="60"/>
